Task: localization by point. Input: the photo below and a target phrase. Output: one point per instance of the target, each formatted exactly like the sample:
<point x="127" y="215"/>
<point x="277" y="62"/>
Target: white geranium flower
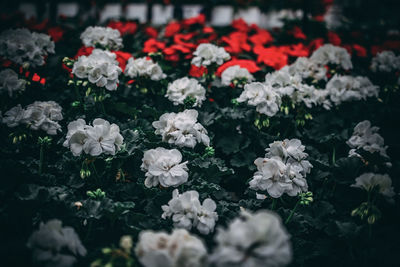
<point x="10" y="83"/>
<point x="187" y="212"/>
<point x="369" y="181"/>
<point x="100" y="68"/>
<point x="253" y="240"/>
<point x="307" y="68"/>
<point x="367" y="138"/>
<point x="105" y="37"/>
<point x="262" y="97"/>
<point x="385" y="61"/>
<point x="181" y="129"/>
<point x="164" y="167"/>
<point x="143" y="67"/>
<point x="179" y="249"/>
<point x="330" y="54"/>
<point x="207" y="54"/>
<point x="283" y="170"/>
<point x="101" y="138"/>
<point x="185" y="87"/>
<point x="54" y="245"/>
<point x="14" y="116"/>
<point x="235" y="73"/>
<point x="25" y="48"/>
<point x="348" y="88"/>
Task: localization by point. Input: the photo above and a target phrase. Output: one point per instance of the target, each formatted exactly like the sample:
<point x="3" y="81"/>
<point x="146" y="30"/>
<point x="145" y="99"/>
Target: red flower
<point x="128" y="27"/>
<point x="237" y="42"/>
<point x="122" y="58"/>
<point x="315" y="44"/>
<point x="360" y="50"/>
<point x="271" y="56"/>
<point x="35" y="77"/>
<point x="334" y="38"/>
<point x="262" y="37"/>
<point x="152" y="45"/>
<point x="172" y="28"/>
<point x="250" y="65"/>
<point x="240" y="25"/>
<point x="180" y="39"/>
<point x="56" y="33"/>
<point x="298" y="33"/>
<point x="84" y="51"/>
<point x="295" y="50"/>
<point x="200" y="19"/>
<point x="151" y="32"/>
<point x="197" y="71"/>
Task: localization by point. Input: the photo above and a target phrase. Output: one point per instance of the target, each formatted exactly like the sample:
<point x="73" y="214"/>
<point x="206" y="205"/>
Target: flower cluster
<point x="255" y="240"/>
<point x="144" y="67"/>
<point x="370" y="181"/>
<point x="55" y="245"/>
<point x="367" y="138"/>
<point x="181" y="129"/>
<point x="10" y="83"/>
<point x="100" y="68"/>
<point x="99" y="138"/>
<point x="385" y="61"/>
<point x="164" y="167"/>
<point x="207" y="54"/>
<point x="332" y="55"/>
<point x="181" y="89"/>
<point x="257" y="94"/>
<point x="187" y="211"/>
<point x="237" y="73"/>
<point x="178" y="249"/>
<point x="283" y="170"/>
<point x="24" y="47"/>
<point x="38" y="115"/>
<point x="102" y="37"/>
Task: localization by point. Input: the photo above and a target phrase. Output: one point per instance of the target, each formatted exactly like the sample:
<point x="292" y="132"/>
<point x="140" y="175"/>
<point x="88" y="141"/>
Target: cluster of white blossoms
<point x="282" y="170"/>
<point x="385" y="61"/>
<point x="24" y="47"/>
<point x="100" y="68"/>
<point x="99" y="138"/>
<point x="257" y="94"/>
<point x="144" y="67"/>
<point x="55" y="245"/>
<point x="307" y="69"/>
<point x="330" y="54"/>
<point x="253" y="240"/>
<point x="348" y="88"/>
<point x="183" y="88"/>
<point x="207" y="54"/>
<point x="187" y="211"/>
<point x="181" y="129"/>
<point x="178" y="249"/>
<point x="369" y="181"/>
<point x="164" y="167"/>
<point x="37" y="116"/>
<point x="367" y="138"/>
<point x="102" y="37"/>
<point x="10" y="83"/>
<point x="233" y="73"/>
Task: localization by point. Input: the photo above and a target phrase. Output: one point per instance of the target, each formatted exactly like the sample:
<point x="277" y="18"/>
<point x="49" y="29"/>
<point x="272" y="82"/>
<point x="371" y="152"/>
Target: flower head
<point x="104" y="37"/>
<point x="143" y="67"/>
<point x="207" y="54"/>
<point x="182" y="88"/>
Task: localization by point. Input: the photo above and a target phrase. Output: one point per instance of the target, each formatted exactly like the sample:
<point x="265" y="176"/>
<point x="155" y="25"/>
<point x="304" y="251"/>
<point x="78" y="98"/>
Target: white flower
<point x="25" y="48"/>
<point x="10" y="83"/>
<point x="187" y="212"/>
<point x="235" y="73"/>
<point x="330" y="54"/>
<point x="369" y="181"/>
<point x="283" y="170"/>
<point x="179" y="249"/>
<point x="14" y="116"/>
<point x="185" y="87"/>
<point x="207" y="54"/>
<point x="181" y="129"/>
<point x="164" y="167"/>
<point x="101" y="138"/>
<point x="143" y="67"/>
<point x="105" y="37"/>
<point x="262" y="97"/>
<point x="253" y="240"/>
<point x="307" y="68"/>
<point x="54" y="245"/>
<point x="367" y="138"/>
<point x="100" y="68"/>
<point x="126" y="243"/>
<point x="348" y="88"/>
<point x="385" y="61"/>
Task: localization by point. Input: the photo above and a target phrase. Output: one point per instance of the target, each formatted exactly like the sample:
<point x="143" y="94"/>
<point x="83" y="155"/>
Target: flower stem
<point x="273" y="204"/>
<point x="41" y="158"/>
<point x="95" y="172"/>
<point x="334" y="156"/>
<point x="292" y="212"/>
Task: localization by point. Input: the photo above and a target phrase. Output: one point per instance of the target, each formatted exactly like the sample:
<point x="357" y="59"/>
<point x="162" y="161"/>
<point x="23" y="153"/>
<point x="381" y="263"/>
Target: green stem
<point x="292" y="213"/>
<point x="41" y="158"/>
<point x="78" y="96"/>
<point x="102" y="108"/>
<point x="273" y="204"/>
<point x="95" y="172"/>
<point x="334" y="155"/>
